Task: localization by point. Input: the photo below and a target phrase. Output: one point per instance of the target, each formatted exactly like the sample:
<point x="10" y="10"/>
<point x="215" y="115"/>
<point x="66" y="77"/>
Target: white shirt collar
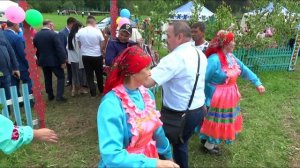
<point x="12" y="30"/>
<point x="46" y="28"/>
<point x="182" y="45"/>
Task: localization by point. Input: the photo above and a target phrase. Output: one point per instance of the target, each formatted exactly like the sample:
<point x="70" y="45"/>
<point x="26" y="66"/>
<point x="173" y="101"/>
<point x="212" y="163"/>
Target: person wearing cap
<point x="115" y="47"/>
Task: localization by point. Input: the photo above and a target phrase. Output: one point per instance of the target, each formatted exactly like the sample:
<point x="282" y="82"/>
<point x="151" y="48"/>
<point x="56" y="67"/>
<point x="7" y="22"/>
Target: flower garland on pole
<point x="34" y="71"/>
<point x="113" y="16"/>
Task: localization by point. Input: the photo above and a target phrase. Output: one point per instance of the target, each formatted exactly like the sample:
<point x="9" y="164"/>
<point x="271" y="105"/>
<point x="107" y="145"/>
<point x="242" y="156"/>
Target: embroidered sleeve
<point x="11" y="137"/>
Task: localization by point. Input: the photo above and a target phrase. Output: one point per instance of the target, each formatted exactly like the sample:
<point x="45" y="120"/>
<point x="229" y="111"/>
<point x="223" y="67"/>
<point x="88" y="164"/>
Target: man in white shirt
<point x="177" y="72"/>
<point x="198" y="35"/>
<point x="90" y="42"/>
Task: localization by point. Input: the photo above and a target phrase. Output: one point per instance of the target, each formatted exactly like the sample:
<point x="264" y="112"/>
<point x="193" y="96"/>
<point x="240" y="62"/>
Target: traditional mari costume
<point x="223" y="120"/>
<point x="130" y="131"/>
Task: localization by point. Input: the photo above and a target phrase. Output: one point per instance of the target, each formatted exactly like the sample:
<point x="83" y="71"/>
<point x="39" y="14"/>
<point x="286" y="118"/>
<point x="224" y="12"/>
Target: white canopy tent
<point x="185" y="12"/>
<point x="4" y="4"/>
<point x="268" y="9"/>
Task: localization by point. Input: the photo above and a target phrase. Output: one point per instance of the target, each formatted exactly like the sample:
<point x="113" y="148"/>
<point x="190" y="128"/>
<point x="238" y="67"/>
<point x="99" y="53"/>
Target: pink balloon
<point x="15" y="14"/>
<point x="123" y="21"/>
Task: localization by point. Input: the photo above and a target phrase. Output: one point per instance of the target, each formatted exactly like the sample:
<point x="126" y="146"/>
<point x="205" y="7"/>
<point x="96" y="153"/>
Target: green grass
<point x="270" y="138"/>
<point x="267" y="139"/>
<point x="60" y="21"/>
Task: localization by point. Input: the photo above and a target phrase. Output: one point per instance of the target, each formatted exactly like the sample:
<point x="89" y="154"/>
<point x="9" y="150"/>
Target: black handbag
<point x="173" y="120"/>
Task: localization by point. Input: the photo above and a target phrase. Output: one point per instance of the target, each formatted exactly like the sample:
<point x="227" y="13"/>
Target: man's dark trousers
<point x="91" y="65"/>
<point x="60" y="75"/>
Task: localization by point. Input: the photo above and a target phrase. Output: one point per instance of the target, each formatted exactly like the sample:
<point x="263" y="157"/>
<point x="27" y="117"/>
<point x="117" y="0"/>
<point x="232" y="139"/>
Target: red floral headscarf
<point x="221" y="39"/>
<point x="131" y="61"/>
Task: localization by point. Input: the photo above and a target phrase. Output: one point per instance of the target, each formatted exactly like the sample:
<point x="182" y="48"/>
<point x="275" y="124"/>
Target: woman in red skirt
<point x="223" y="120"/>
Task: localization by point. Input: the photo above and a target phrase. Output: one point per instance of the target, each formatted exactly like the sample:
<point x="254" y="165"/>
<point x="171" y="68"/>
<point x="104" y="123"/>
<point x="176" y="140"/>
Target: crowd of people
<point x="198" y="80"/>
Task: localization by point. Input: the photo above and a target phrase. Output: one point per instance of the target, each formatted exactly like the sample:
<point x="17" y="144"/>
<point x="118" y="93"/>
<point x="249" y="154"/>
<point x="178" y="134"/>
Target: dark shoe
<point x="214" y="151"/>
<point x="203" y="141"/>
<point x="217" y="148"/>
<point x="51" y="97"/>
<point x="93" y="95"/>
<point x="61" y="99"/>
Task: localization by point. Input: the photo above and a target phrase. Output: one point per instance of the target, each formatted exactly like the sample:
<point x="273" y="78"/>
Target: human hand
<point x="16" y="74"/>
<point x="260" y="89"/>
<point x="105" y="35"/>
<point x="166" y="164"/>
<point x="156" y="56"/>
<point x="45" y="134"/>
<point x="63" y="66"/>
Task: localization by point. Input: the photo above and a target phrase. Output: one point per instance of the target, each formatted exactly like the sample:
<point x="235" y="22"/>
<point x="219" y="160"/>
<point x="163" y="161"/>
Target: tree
<point x="283" y="25"/>
<point x="93" y="4"/>
<point x="160" y="12"/>
<point x="79" y="4"/>
<point x="48" y="6"/>
<point x="198" y="4"/>
<point x="68" y="5"/>
<point x="222" y="20"/>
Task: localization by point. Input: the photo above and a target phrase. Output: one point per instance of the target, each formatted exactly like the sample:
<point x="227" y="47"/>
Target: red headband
<point x="131" y="61"/>
<point x="225" y="37"/>
<point x="221" y="39"/>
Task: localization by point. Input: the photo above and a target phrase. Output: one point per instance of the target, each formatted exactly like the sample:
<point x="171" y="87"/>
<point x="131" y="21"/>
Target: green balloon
<point x="34" y="18"/>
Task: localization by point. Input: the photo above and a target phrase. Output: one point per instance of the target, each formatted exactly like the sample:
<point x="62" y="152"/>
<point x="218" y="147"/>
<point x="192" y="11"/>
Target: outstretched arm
<point x="247" y="74"/>
<point x="13" y="137"/>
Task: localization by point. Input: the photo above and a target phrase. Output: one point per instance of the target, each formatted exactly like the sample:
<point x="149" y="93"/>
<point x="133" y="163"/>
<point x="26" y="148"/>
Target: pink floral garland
<point x="133" y="112"/>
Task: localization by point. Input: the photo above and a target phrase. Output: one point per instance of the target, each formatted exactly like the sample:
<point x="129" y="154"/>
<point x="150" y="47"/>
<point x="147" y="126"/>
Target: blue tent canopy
<point x="185" y="12"/>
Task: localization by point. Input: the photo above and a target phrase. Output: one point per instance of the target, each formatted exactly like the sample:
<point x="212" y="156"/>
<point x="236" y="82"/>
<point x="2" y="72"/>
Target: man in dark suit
<point x="18" y="45"/>
<point x="52" y="58"/>
<point x="8" y="64"/>
<point x="63" y="34"/>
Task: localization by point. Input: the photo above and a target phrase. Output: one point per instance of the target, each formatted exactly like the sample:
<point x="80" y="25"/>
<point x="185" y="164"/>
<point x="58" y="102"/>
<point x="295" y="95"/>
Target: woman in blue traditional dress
<point x="223" y="120"/>
<point x="129" y="129"/>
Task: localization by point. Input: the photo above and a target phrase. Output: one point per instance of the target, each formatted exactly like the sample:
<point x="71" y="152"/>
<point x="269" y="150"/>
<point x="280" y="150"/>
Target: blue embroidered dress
<point x="114" y="131"/>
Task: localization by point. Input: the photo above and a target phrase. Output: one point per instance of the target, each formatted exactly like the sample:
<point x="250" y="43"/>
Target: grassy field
<point x="60" y="21"/>
<point x="271" y="135"/>
<point x="270" y="138"/>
